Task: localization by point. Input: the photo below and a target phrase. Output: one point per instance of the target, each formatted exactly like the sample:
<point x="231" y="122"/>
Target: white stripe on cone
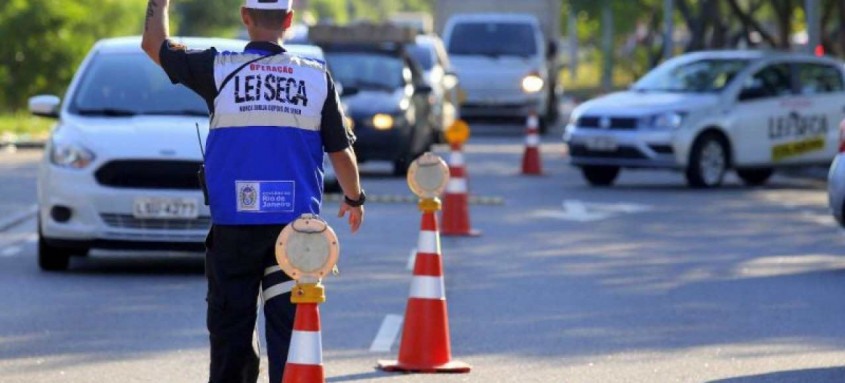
<point x="427" y="287"/>
<point x="429" y="242"/>
<point x="533" y="122"/>
<point x="456" y="186"/>
<point x="532" y="140"/>
<point x="456" y="159"/>
<point x="306" y="347"/>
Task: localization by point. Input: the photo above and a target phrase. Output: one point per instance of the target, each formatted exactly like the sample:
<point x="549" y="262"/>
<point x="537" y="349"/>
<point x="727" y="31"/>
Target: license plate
<point x="166" y="208"/>
<point x="602" y="144"/>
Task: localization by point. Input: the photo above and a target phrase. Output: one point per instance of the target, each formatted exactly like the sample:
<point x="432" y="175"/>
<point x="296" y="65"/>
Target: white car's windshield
<point x="127" y="84"/>
<point x="700" y="76"/>
<point x="423" y="55"/>
<point x="493" y="39"/>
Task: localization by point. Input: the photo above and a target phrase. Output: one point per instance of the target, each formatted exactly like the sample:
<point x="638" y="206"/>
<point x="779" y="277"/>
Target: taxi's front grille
<point x="126" y="221"/>
<point x="150" y="174"/>
<point x="616" y="123"/>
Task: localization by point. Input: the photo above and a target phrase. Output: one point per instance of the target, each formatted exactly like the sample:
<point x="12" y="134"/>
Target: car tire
<point x="52" y="258"/>
<point x="755" y="177"/>
<point x="600" y="175"/>
<point x="709" y="162"/>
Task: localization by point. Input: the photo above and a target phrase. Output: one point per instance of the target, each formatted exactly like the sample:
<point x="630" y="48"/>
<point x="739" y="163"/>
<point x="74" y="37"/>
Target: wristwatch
<point x="360" y="202"/>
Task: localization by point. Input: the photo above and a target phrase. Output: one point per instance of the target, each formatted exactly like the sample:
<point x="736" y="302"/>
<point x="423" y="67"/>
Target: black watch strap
<point x="360" y="202"/>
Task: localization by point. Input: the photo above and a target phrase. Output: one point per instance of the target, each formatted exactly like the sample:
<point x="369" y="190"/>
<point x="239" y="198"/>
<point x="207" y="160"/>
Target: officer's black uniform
<point x="240" y="259"/>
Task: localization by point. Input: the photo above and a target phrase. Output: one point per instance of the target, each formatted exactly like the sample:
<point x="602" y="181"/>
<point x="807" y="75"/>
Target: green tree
<point x="207" y="18"/>
<point x="45" y="40"/>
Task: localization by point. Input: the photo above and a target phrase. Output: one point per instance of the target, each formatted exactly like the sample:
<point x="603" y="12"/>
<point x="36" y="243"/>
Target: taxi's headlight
<point x="670" y="120"/>
<point x="532" y="83"/>
<point x="383" y="121"/>
<point x="70" y="155"/>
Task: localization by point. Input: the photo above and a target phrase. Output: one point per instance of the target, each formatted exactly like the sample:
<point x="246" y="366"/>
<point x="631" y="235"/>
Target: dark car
<point x="385" y="95"/>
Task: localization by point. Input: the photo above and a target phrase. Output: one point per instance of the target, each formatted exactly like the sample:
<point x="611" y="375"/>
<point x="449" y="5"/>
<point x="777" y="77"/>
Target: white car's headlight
<point x="532" y="83"/>
<point x="70" y="155"/>
<point x="670" y="120"/>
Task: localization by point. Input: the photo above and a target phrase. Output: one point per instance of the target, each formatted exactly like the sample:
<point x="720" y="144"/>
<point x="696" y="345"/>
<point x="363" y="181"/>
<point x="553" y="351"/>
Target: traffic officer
<point x="273" y="116"/>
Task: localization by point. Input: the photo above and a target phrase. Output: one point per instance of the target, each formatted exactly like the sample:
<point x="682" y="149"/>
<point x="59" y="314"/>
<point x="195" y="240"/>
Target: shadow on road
<point x="816" y="375"/>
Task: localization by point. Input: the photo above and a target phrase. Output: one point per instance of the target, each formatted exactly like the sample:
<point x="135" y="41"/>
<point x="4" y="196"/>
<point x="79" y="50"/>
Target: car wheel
<point x="708" y="162"/>
<point x="51" y="258"/>
<point x="600" y="175"/>
<point x="754" y="177"/>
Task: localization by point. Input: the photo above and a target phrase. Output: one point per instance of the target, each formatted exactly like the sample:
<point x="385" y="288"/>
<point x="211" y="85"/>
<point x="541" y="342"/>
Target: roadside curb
<point x="18" y="218"/>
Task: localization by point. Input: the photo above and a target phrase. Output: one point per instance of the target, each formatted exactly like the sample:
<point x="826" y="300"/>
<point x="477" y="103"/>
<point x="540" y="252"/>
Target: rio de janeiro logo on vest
<point x="248" y="196"/>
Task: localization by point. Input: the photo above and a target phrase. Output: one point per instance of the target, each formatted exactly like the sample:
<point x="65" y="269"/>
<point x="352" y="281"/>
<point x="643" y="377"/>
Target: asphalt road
<point x="645" y="282"/>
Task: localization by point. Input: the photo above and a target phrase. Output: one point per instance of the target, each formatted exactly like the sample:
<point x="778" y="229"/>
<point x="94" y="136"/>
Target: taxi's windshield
<point x="701" y="76"/>
<point x="362" y="70"/>
<point x="127" y="84"/>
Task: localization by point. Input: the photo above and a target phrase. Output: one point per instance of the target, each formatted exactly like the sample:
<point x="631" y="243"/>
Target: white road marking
<point x="574" y="210"/>
<point x="18" y="218"/>
<point x="32" y="238"/>
<point x="411" y="259"/>
<point x="387" y="333"/>
<point x="11" y="251"/>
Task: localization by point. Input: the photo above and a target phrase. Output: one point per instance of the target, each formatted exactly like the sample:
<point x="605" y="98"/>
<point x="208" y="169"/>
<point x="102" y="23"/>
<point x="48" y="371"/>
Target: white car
<point x="708" y="112"/>
<point x="120" y="169"/>
<point x="501" y="60"/>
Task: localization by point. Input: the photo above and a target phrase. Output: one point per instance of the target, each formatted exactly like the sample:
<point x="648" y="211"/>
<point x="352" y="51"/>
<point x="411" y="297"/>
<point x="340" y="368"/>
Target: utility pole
<point x="607" y="45"/>
<point x="668" y="29"/>
<point x="813" y="26"/>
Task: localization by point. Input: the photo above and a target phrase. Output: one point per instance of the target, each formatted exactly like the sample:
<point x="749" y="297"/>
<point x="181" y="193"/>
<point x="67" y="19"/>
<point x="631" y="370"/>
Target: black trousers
<point x="240" y="263"/>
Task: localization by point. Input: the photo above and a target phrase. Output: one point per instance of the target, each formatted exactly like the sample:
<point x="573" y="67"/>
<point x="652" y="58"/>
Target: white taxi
<point x="709" y="112"/>
<point x="120" y="168"/>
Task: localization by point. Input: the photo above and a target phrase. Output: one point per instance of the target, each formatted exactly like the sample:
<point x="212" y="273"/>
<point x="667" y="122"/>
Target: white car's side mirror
<point x="45" y="106"/>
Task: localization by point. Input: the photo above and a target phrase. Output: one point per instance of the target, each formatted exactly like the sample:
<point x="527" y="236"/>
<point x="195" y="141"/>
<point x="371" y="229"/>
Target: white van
<point x="501" y="62"/>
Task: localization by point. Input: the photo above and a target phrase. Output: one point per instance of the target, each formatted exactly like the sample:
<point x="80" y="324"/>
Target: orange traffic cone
<point x="456" y="200"/>
<point x="305" y="356"/>
<point x="531" y="163"/>
<point x="425" y="341"/>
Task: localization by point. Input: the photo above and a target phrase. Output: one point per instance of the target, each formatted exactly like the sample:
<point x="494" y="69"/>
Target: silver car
<point x="836" y="180"/>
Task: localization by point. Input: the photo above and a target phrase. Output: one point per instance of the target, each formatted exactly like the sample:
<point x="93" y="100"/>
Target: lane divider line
<point x="387" y="333"/>
<point x="11" y="251"/>
<point x="411" y="260"/>
<point x="17" y="218"/>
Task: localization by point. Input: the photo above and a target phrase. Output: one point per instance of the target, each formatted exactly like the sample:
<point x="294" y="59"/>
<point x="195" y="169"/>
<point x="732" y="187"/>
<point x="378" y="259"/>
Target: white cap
<point x="269" y="4"/>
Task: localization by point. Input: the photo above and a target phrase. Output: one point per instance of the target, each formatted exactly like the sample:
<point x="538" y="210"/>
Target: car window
<point x="772" y="81"/>
<point x="423" y="55"/>
<point x="699" y="76"/>
<point x="132" y="84"/>
<point x="819" y="79"/>
<point x="364" y="70"/>
<point x="493" y="39"/>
